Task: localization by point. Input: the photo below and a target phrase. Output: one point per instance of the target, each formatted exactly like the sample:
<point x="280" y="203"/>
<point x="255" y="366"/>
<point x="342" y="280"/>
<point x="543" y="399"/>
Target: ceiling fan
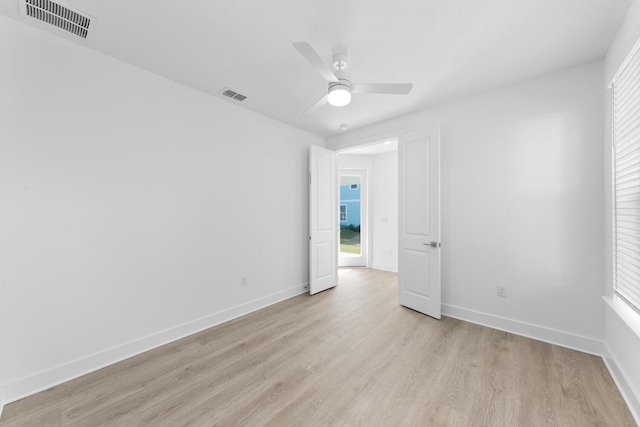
<point x="340" y="87"/>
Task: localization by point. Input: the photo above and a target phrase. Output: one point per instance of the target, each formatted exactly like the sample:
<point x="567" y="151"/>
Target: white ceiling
<point x="448" y="49"/>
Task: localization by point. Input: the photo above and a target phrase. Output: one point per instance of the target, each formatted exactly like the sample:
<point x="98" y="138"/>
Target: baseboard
<point x="385" y="267"/>
<point x="43" y="380"/>
<point x="540" y="333"/>
<point x="629" y="393"/>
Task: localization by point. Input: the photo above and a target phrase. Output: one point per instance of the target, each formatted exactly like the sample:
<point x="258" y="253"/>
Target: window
<point x="343" y="213"/>
<point x="626" y="180"/>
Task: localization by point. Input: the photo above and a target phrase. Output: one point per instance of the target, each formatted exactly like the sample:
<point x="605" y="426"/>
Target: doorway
<point x="376" y="167"/>
<point x="417" y="215"/>
<point x="353" y="222"/>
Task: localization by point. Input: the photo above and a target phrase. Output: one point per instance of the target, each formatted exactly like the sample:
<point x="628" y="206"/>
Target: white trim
<point x="43" y="380"/>
<point x="540" y="333"/>
<point x="627" y="390"/>
<point x="386" y="267"/>
<point x="625" y="317"/>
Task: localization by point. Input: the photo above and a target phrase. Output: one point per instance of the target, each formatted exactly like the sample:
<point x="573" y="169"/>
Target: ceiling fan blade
<point x="388" y="88"/>
<point x="312" y="56"/>
<point x="317" y="105"/>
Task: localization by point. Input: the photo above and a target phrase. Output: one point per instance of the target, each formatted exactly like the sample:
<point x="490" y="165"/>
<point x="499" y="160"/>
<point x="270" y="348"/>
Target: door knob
<point x="433" y="244"/>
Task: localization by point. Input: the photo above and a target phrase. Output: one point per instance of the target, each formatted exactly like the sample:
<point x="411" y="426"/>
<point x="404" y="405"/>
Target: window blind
<point x="626" y="179"/>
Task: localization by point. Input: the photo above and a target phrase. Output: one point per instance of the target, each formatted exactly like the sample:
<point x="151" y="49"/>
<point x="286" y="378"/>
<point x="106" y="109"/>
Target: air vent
<point x="58" y="15"/>
<point x="233" y="94"/>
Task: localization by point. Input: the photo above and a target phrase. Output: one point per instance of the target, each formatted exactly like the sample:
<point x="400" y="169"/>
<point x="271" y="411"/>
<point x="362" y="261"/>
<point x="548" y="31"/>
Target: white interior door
<point x="323" y="218"/>
<point x="419" y="285"/>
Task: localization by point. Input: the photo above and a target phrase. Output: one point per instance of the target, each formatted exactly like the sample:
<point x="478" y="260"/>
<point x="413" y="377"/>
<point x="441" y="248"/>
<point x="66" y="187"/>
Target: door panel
<point x="417" y="265"/>
<point x="324" y="260"/>
<point x="416" y="214"/>
<point x="419" y="277"/>
<point x="323" y="214"/>
<point x="323" y="193"/>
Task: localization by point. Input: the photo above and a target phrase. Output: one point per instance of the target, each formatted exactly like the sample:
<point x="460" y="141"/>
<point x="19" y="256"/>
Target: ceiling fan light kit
<point x="339" y="93"/>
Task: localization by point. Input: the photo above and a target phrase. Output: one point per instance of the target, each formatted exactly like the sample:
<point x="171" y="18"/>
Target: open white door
<point x="419" y="285"/>
<point x="323" y="218"/>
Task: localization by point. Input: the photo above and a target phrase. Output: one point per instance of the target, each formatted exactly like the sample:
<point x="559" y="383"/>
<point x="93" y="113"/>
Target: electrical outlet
<point x="501" y="291"/>
<point x="243" y="280"/>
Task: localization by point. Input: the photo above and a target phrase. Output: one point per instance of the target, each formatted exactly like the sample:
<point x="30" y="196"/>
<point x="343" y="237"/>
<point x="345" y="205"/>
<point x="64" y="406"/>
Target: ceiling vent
<point x="233" y="94"/>
<point x="60" y="16"/>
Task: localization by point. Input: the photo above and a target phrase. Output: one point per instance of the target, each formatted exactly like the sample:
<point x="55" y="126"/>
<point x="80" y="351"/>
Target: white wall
<point x="130" y="207"/>
<point x="385" y="211"/>
<point x="622" y="328"/>
<point x="522" y="190"/>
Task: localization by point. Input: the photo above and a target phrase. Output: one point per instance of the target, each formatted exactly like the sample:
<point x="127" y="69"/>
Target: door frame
<point x="368" y="165"/>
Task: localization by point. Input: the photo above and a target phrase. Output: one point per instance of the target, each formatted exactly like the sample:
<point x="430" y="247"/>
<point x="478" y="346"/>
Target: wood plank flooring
<point x="349" y="356"/>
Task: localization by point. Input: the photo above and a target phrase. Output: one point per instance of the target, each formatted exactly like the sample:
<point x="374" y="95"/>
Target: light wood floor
<point x="349" y="356"/>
